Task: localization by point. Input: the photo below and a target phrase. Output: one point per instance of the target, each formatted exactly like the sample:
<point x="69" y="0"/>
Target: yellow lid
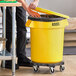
<point x="50" y="12"/>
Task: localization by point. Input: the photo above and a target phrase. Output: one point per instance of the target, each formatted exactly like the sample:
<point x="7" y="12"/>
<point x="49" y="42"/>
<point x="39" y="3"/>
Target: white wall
<point x="67" y="7"/>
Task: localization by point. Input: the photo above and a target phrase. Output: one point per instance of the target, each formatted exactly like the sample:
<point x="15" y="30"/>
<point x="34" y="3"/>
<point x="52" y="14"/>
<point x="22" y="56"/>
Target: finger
<point x="37" y="14"/>
<point x="34" y="14"/>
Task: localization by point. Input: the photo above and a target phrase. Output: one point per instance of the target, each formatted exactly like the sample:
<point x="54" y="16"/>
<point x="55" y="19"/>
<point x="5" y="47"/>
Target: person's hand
<point x="32" y="13"/>
<point x="33" y="5"/>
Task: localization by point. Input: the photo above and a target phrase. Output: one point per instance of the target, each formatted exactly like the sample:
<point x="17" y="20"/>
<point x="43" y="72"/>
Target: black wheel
<point x="51" y="70"/>
<point x="62" y="68"/>
<point x="35" y="67"/>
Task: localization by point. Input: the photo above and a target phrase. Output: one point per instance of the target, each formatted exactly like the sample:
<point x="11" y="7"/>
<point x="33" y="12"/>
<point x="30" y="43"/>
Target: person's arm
<point x="26" y="7"/>
<point x="24" y="4"/>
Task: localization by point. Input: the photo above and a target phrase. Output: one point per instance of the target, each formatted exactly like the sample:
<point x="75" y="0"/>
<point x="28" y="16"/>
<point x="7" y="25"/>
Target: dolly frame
<point x="50" y="65"/>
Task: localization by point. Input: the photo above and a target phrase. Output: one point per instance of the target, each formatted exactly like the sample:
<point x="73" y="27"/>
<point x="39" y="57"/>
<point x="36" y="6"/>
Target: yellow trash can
<point x="47" y="37"/>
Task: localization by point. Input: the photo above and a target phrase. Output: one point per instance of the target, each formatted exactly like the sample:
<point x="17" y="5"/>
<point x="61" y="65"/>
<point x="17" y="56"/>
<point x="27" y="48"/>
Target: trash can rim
<point x="45" y="19"/>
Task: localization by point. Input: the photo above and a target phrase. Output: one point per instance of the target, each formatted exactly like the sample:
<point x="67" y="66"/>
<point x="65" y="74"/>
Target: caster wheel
<point x="35" y="67"/>
<point x="62" y="68"/>
<point x="51" y="70"/>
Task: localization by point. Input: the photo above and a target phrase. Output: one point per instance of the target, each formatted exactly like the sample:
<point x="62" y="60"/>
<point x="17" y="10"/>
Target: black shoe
<point x="8" y="64"/>
<point x="25" y="62"/>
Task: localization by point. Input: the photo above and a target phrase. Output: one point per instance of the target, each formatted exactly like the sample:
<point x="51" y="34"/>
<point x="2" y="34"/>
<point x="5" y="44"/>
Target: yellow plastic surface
<point x="40" y="24"/>
<point x="47" y="41"/>
<point x="47" y="45"/>
<point x="50" y="12"/>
